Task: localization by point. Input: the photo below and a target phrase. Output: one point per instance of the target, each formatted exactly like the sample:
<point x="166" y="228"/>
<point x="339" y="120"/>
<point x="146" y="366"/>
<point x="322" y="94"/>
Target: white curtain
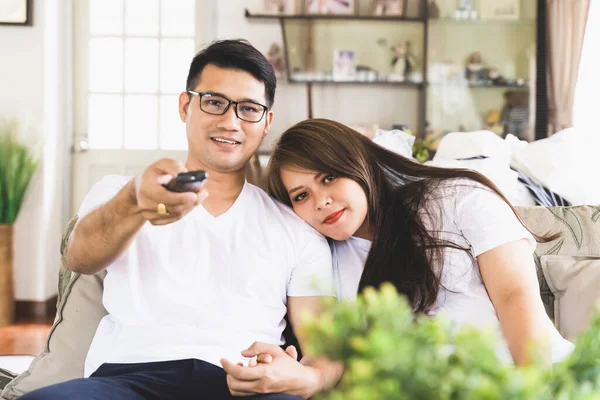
<point x="585" y="110"/>
<point x="566" y="26"/>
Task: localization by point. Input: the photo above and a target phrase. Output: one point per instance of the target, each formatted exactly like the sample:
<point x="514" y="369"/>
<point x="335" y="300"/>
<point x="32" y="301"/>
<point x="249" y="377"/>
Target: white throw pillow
<point x="472" y="144"/>
<point x="498" y="172"/>
<point x="395" y="140"/>
<point x="515" y="144"/>
<point x="565" y="163"/>
<point x="575" y="283"/>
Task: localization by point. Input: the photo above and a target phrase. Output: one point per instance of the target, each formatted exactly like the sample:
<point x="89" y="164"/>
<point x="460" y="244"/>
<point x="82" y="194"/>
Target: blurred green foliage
<point x="17" y="166"/>
<point x="391" y="354"/>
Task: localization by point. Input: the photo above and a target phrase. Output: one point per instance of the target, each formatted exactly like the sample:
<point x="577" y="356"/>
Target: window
<point x="138" y="57"/>
<point x="585" y="108"/>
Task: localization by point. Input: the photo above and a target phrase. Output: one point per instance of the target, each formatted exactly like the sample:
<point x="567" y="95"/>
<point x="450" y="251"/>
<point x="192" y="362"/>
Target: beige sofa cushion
<point x="575" y="283"/>
<point x="79" y="311"/>
<point x="5" y="377"/>
<point x="580" y="229"/>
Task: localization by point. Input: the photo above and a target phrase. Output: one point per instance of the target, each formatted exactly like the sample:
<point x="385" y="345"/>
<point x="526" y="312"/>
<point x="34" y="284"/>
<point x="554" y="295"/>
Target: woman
<point x="447" y="239"/>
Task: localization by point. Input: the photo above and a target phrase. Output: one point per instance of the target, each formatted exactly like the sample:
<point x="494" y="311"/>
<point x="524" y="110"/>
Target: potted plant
<point x="17" y="166"/>
<point x="390" y="354"/>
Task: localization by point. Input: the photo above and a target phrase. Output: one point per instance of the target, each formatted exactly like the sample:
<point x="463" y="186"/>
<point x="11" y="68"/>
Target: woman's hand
<point x="273" y="371"/>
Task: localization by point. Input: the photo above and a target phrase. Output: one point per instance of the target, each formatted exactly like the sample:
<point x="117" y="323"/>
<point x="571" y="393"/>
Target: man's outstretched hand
<point x="149" y="191"/>
<point x="273" y="371"/>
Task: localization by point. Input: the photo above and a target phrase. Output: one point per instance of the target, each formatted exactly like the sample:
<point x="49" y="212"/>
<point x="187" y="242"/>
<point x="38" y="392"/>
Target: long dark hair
<point x="400" y="195"/>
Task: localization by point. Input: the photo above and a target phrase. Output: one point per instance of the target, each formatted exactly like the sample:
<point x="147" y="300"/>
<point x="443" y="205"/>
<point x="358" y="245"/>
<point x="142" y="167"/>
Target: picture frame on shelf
<point x="335" y="7"/>
<point x="16" y="12"/>
<point x="389" y="8"/>
<point x="344" y="65"/>
<point x="500" y="9"/>
<point x="277" y="7"/>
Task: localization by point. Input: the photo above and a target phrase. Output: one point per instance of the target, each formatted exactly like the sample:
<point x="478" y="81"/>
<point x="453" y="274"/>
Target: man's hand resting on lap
<point x="273" y="371"/>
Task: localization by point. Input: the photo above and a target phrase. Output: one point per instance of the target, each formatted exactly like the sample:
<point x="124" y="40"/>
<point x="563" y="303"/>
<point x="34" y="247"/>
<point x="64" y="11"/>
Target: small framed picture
<point x="15" y="12"/>
<point x="344" y="67"/>
<point x="389" y="8"/>
<point x="500" y="9"/>
<point x="340" y="7"/>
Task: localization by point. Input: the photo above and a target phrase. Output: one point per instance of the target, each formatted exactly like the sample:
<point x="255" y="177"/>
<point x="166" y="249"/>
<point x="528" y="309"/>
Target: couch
<point x="568" y="270"/>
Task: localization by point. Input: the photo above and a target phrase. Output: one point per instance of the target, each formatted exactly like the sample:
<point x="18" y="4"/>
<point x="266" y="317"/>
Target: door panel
<point x="130" y="64"/>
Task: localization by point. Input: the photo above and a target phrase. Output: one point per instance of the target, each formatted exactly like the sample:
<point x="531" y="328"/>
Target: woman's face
<point x="336" y="207"/>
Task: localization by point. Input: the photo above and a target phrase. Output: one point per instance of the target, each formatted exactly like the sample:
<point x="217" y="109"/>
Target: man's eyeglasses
<point x="213" y="104"/>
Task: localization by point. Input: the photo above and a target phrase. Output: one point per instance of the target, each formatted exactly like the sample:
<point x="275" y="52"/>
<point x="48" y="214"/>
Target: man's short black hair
<point x="236" y="54"/>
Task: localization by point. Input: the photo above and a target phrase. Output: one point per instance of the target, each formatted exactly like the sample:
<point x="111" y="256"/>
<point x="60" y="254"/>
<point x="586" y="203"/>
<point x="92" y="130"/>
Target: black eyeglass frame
<point x="230" y="102"/>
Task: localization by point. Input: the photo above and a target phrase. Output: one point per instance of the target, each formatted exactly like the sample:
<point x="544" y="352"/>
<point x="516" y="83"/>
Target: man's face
<point x="223" y="143"/>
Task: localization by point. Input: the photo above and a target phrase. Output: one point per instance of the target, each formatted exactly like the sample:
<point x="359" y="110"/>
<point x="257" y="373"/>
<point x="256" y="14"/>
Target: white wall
<point x="32" y="83"/>
<point x="384" y="105"/>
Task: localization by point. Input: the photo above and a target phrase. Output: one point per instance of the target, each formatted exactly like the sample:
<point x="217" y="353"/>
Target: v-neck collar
<point x="233" y="211"/>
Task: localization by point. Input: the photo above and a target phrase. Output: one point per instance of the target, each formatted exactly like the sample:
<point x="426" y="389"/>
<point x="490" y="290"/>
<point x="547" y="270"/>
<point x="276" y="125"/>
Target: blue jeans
<point x="180" y="379"/>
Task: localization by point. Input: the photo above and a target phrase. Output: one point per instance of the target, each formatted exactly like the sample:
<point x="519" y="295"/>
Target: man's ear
<point x="184" y="102"/>
<point x="268" y="121"/>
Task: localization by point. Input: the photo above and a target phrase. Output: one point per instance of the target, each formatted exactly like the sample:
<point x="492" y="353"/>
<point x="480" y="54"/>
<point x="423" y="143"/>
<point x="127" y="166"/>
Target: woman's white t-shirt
<point x="473" y="217"/>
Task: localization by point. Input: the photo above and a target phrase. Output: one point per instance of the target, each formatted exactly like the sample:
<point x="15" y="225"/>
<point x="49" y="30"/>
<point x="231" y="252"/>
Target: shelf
<point x="515" y="86"/>
<point x="409" y="84"/>
<point x="332" y="82"/>
<point x="333" y="17"/>
<point x="483" y="86"/>
<point x="481" y="22"/>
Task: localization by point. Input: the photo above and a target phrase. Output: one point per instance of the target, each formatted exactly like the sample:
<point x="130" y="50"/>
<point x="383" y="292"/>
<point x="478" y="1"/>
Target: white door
<point x="131" y="59"/>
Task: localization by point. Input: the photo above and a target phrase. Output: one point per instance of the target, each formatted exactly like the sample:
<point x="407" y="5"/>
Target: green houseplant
<point x="390" y="354"/>
<point x="17" y="166"/>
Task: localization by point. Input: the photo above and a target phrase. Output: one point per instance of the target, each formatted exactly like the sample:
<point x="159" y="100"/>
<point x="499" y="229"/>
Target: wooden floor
<point x="25" y="336"/>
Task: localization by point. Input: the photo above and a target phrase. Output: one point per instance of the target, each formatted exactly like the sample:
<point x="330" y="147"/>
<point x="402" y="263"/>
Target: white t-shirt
<point x="473" y="217"/>
<point x="206" y="287"/>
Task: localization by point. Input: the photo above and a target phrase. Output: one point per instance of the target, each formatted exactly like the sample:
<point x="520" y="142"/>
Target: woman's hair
<point x="401" y="198"/>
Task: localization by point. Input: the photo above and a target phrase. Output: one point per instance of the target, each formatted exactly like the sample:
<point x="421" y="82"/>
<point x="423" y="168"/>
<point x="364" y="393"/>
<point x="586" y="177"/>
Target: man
<point x="212" y="272"/>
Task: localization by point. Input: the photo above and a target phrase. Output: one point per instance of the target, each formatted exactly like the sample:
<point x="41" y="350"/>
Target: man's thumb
<point x="292" y="352"/>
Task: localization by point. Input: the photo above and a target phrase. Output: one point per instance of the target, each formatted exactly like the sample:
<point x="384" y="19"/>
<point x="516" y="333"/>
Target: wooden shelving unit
<point x="429" y="26"/>
<point x="311" y="18"/>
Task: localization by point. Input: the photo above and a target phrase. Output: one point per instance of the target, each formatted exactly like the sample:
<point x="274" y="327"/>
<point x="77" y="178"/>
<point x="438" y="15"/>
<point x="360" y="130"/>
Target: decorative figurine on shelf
<point x="433" y="10"/>
<point x="317" y="7"/>
<point x="279" y="6"/>
<point x="414" y="73"/>
<point x="403" y="62"/>
<point x="344" y="67"/>
<point x="273" y="6"/>
<point x="365" y="73"/>
<point x="494" y="77"/>
<point x="378" y="7"/>
<point x="465" y="11"/>
<point x="515" y="113"/>
<point x="474" y="72"/>
<point x="389" y="7"/>
<point x="276" y="59"/>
